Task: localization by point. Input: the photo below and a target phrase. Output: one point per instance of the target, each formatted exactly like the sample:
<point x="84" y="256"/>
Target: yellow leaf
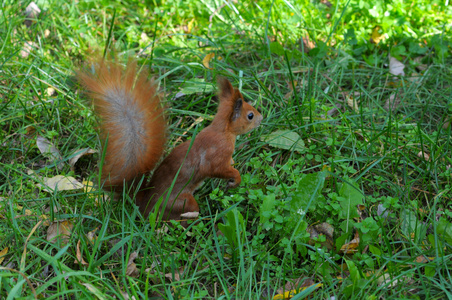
<point x="376" y="36"/>
<point x="3" y="254"/>
<point x="207" y="60"/>
<point x="59" y="229"/>
<point x="351" y="247"/>
<point x="89" y="186"/>
<point x="292" y="293"/>
<point x="190" y="26"/>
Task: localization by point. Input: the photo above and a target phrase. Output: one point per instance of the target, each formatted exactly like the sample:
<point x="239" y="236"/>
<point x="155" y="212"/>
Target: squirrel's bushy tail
<point x="132" y="122"/>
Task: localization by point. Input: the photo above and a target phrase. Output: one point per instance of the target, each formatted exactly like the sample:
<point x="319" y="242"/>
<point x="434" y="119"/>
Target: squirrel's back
<point x="132" y="120"/>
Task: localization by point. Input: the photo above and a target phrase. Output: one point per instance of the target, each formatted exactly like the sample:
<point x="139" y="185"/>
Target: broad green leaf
<point x="285" y="139"/>
<point x="233" y="228"/>
<point x="351" y="197"/>
<point x="196" y="85"/>
<point x="444" y="229"/>
<point x="267" y="207"/>
<point x="411" y="226"/>
<point x="308" y="193"/>
<point x="277" y="48"/>
<point x="354" y="272"/>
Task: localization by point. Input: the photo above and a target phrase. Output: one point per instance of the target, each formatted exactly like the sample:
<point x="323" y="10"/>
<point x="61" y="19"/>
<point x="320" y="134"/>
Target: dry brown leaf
<point x="60" y="182"/>
<point x="447" y="123"/>
<point x="27" y="49"/>
<point x="420" y="66"/>
<point x="290" y="86"/>
<point x="170" y="277"/>
<point x="423" y="154"/>
<point x="59" y="230"/>
<point x="92" y="235"/>
<point x="207" y="60"/>
<point x="79" y="153"/>
<point x="79" y="257"/>
<point x="127" y="296"/>
<point x="352" y="246"/>
<point x="326" y="2"/>
<point x="45" y="219"/>
<point x="49" y="150"/>
<point x="308" y="45"/>
<point x="3" y="254"/>
<point x="393" y="103"/>
<point x="396" y="67"/>
<point x="132" y="269"/>
<point x="352" y="103"/>
<point x="31" y="12"/>
<point x="324" y="229"/>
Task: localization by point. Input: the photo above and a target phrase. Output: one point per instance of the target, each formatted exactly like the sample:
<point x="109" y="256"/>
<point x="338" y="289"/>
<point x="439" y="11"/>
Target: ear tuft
<point x="237" y="109"/>
<point x="226" y="89"/>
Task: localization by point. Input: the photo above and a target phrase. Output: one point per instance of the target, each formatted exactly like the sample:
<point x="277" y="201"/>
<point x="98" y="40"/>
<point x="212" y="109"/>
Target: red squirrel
<point x="133" y="127"/>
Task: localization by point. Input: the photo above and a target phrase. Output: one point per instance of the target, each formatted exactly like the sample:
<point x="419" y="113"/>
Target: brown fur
<point x="132" y="119"/>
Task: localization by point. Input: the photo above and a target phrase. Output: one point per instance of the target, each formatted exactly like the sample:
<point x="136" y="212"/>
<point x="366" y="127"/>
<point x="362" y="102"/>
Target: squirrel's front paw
<point x="233" y="183"/>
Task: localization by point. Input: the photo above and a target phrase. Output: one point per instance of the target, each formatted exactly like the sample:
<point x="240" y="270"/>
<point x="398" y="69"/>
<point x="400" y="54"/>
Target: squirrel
<point x="133" y="131"/>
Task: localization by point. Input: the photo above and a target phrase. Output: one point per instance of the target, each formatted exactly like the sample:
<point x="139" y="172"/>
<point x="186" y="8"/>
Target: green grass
<point x="367" y="171"/>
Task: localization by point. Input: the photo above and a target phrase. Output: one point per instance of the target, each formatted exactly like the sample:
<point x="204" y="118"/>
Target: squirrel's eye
<point x="250" y="116"/>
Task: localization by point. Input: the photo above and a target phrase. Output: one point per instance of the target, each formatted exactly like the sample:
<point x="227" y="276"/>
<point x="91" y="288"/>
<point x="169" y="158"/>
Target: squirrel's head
<point x="240" y="116"/>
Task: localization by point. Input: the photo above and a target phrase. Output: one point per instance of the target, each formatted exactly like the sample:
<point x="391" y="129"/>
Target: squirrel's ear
<point x="226" y="89"/>
<point x="237" y="109"/>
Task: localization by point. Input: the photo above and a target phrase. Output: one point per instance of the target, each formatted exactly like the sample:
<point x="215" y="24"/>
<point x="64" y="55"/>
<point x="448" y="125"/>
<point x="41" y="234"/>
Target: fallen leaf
<point x="127" y="296"/>
<point x="292" y="293"/>
<point x="31" y="12"/>
<point x="46" y="220"/>
<point x="290" y="86"/>
<point x="132" y="269"/>
<point x="27" y="49"/>
<point x="3" y="254"/>
<point x="308" y="45"/>
<point x="79" y="258"/>
<point x="207" y="60"/>
<point x="419" y="65"/>
<point x="49" y="150"/>
<point x="326" y="2"/>
<point x="352" y="103"/>
<point x="423" y="260"/>
<point x="76" y="154"/>
<point x="59" y="230"/>
<point x="92" y="235"/>
<point x="423" y="154"/>
<point x="324" y="229"/>
<point x="392" y="103"/>
<point x="376" y="37"/>
<point x="396" y="67"/>
<point x="170" y="277"/>
<point x="284" y="139"/>
<point x="352" y="246"/>
<point x="50" y="91"/>
<point x="60" y="183"/>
